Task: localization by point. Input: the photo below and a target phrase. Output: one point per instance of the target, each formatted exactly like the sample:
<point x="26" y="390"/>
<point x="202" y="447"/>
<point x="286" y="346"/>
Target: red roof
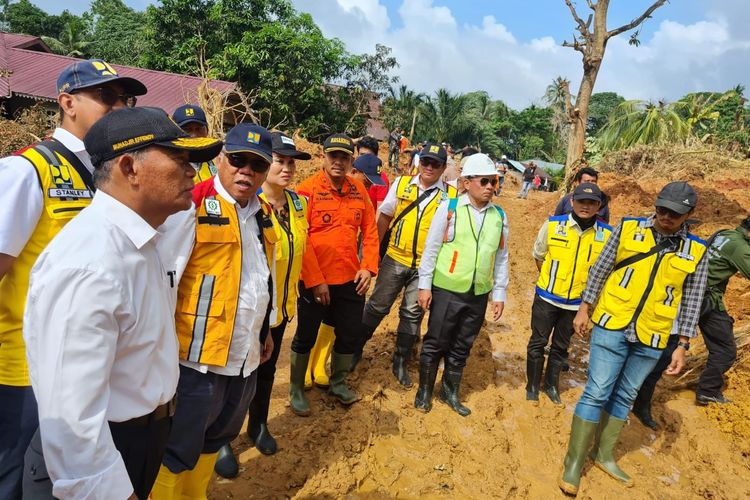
<point x="34" y="74"/>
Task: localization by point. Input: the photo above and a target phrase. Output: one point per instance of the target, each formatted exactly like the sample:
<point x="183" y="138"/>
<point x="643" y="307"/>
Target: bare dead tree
<point x="591" y="42"/>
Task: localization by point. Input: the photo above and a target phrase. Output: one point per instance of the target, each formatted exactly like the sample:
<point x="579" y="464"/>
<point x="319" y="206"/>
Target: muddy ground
<point x="382" y="447"/>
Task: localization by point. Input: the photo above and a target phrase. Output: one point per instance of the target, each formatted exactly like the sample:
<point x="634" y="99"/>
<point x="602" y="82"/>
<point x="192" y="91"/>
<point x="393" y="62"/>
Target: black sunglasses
<point x="485" y="180"/>
<point x="664" y="211"/>
<point x="430" y="162"/>
<point x="109" y="97"/>
<point x="239" y="160"/>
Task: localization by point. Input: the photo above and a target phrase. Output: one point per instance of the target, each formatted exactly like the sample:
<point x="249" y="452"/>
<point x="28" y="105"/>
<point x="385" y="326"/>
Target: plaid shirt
<point x="692" y="294"/>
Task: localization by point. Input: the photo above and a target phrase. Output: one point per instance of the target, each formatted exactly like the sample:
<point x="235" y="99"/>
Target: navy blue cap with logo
<point x="250" y="138"/>
<point x="369" y="165"/>
<point x="189" y="113"/>
<point x="95" y="73"/>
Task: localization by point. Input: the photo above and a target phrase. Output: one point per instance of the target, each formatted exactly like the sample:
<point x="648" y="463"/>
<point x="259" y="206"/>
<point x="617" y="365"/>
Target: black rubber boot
<point x="226" y="464"/>
<point x="642" y="406"/>
<point x="340" y="364"/>
<point x="534" y="369"/>
<point x="297" y="368"/>
<point x="367" y="333"/>
<point x="552" y="381"/>
<point x="427" y="376"/>
<point x="401" y="356"/>
<point x="449" y="390"/>
<point x="257" y="426"/>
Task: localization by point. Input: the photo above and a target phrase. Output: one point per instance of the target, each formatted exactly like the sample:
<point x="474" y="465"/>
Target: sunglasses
<point x="665" y="212"/>
<point x="486" y="180"/>
<point x="109" y="97"/>
<point x="429" y="162"/>
<point x="239" y="160"/>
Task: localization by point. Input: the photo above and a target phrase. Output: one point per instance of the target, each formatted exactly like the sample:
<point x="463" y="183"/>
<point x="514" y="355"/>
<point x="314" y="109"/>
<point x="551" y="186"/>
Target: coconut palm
<point x="72" y="41"/>
<point x="401" y="107"/>
<point x="444" y="118"/>
<point x="639" y="122"/>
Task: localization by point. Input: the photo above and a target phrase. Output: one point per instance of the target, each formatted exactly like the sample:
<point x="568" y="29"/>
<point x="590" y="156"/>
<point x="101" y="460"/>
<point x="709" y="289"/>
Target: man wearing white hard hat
<point x="464" y="265"/>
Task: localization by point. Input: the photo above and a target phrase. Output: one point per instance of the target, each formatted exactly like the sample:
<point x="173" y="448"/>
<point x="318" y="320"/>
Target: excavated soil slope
<point x="382" y="447"/>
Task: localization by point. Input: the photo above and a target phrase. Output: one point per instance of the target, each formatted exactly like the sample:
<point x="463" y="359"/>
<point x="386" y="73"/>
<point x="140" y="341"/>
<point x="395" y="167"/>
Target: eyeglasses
<point x="486" y="180"/>
<point x="430" y="162"/>
<point x="109" y="97"/>
<point x="239" y="160"/>
<point x="665" y="212"/>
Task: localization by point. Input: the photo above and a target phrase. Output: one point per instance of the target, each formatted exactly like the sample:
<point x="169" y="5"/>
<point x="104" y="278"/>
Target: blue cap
<point x="369" y="165"/>
<point x="189" y="114"/>
<point x="92" y="73"/>
<point x="250" y="138"/>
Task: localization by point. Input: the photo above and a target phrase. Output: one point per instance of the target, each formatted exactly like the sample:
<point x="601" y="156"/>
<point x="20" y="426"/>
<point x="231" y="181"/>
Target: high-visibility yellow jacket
<point x="410" y="233"/>
<point x="467" y="261"/>
<point x="649" y="291"/>
<point x="64" y="194"/>
<point x="569" y="258"/>
<point x="289" y="252"/>
<point x="209" y="289"/>
<point x="204" y="171"/>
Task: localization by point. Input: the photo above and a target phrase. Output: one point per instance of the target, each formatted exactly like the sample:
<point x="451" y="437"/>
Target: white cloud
<point x="436" y="51"/>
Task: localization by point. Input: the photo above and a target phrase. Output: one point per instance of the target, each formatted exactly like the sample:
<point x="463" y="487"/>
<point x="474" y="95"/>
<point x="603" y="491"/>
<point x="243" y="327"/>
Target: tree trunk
<point x="413" y="124"/>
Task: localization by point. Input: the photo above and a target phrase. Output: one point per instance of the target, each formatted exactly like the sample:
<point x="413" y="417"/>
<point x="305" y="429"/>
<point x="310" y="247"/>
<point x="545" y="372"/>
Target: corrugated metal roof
<point x="35" y="74"/>
<point x="4" y="82"/>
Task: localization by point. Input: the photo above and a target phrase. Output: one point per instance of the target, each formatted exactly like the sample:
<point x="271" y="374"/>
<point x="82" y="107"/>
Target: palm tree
<point x="72" y="41"/>
<point x="401" y="108"/>
<point x="639" y="122"/>
<point x="444" y="117"/>
<point x="557" y="95"/>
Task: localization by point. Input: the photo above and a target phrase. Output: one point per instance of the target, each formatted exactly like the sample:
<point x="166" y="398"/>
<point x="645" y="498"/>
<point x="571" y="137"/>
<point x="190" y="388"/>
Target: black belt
<point x="161" y="412"/>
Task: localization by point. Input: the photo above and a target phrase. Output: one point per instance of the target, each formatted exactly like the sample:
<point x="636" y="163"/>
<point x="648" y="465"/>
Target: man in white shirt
<point x="222" y="314"/>
<point x="99" y="323"/>
<point x="464" y="263"/>
<point x="44" y="186"/>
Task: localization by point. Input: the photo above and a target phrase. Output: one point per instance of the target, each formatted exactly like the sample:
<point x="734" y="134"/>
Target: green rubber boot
<point x="603" y="452"/>
<point x="581" y="436"/>
<point x="297" y="369"/>
<point x="340" y="365"/>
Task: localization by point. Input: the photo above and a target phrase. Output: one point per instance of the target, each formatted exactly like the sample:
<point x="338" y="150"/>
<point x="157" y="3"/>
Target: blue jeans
<point x="525" y="189"/>
<point x="617" y="369"/>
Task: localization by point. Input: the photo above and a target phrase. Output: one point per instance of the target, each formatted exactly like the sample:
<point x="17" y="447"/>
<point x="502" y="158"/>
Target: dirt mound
<point x="32" y="125"/>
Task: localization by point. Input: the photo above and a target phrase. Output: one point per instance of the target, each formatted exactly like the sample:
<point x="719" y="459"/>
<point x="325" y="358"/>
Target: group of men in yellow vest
<point x="235" y="259"/>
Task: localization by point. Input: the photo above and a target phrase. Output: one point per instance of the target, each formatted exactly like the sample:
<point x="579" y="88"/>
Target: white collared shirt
<point x="245" y="348"/>
<point x="388" y="206"/>
<point x="434" y="242"/>
<point x="22" y="203"/>
<point x="101" y="343"/>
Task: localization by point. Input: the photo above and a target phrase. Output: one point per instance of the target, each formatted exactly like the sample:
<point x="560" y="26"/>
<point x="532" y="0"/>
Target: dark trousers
<point x="548" y="319"/>
<point x="266" y="375"/>
<point x="344" y="314"/>
<point x="393" y="278"/>
<point x="141" y="448"/>
<point x="718" y="333"/>
<point x="18" y="422"/>
<point x="210" y="411"/>
<point x="455" y="321"/>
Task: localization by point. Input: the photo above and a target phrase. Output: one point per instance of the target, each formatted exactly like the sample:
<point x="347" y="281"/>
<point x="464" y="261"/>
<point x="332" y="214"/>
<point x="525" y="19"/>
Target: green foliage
<point x="601" y="106"/>
<point x="25" y="17"/>
<point x="73" y="40"/>
<point x="118" y="32"/>
<point x="399" y="107"/>
<point x="638" y="122"/>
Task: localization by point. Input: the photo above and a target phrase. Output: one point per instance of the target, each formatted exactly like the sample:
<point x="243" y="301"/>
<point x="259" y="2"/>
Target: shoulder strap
<point x="640" y="256"/>
<point x="414" y="204"/>
<point x="71" y="158"/>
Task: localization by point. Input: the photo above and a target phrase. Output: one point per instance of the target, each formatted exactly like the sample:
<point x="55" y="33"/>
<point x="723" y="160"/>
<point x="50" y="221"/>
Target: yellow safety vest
<point x="647" y="292"/>
<point x="468" y="259"/>
<point x="569" y="258"/>
<point x="289" y="253"/>
<point x="64" y="194"/>
<point x="409" y="235"/>
<point x="204" y="171"/>
<point x="209" y="289"/>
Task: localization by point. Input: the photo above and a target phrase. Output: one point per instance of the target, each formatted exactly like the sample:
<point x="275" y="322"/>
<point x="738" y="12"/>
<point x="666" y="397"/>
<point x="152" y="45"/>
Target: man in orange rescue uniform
<point x="334" y="280"/>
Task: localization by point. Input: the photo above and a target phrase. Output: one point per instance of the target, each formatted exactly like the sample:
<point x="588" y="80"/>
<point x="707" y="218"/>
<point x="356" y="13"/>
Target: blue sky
<point x="511" y="48"/>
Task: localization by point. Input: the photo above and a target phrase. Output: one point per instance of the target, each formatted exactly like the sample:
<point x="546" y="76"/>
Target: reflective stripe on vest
<point x="409" y="236"/>
<point x="467" y="260"/>
<point x="649" y="291"/>
<point x="208" y="293"/>
<point x="64" y="195"/>
<point x="569" y="258"/>
<point x="204" y="170"/>
<point x="289" y="252"/>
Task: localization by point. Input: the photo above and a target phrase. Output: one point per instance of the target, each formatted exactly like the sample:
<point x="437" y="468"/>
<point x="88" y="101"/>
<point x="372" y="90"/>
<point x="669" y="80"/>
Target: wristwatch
<point x="684" y="345"/>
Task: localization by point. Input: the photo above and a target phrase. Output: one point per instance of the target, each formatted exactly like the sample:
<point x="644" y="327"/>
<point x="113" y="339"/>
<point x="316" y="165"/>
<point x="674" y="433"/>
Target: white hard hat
<point x="478" y="164"/>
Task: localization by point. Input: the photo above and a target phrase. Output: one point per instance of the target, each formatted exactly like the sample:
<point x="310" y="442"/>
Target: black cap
<point x="131" y="129"/>
<point x="284" y="145"/>
<point x="189" y="113"/>
<point x="339" y="142"/>
<point x="679" y="197"/>
<point x="249" y="138"/>
<point x="587" y="191"/>
<point x="435" y="151"/>
<point x="369" y="165"/>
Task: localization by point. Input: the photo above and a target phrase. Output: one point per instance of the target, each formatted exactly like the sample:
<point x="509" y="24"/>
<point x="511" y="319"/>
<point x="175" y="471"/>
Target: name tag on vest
<point x="68" y="193"/>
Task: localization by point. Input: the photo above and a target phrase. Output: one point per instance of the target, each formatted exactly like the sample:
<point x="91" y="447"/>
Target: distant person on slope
<point x="528" y="180"/>
<point x="586" y="174"/>
<point x="394" y="147"/>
